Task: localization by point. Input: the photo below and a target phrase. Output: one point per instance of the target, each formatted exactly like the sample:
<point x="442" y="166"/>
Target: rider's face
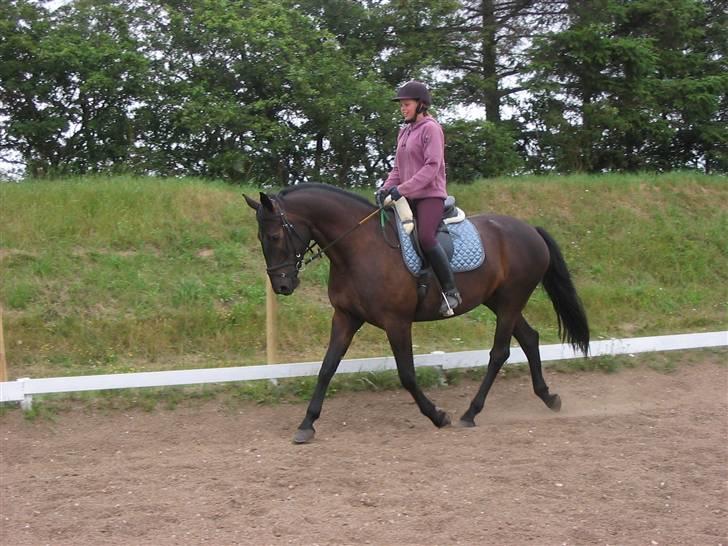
<point x="408" y="108"/>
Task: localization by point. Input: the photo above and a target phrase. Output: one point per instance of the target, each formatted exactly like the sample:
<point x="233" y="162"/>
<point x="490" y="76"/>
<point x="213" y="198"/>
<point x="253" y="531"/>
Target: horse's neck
<point x="330" y="218"/>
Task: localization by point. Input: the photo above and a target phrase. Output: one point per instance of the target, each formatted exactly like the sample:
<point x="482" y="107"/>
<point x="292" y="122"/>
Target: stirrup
<point x="451" y="299"/>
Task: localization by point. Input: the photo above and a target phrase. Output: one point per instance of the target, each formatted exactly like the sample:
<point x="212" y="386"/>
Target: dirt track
<point x="637" y="457"/>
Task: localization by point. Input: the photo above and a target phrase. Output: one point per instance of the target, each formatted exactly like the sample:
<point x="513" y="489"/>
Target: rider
<point x="419" y="175"/>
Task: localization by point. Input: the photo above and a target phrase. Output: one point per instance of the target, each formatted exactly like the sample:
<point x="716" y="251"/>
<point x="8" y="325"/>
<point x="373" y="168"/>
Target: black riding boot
<point x="441" y="266"/>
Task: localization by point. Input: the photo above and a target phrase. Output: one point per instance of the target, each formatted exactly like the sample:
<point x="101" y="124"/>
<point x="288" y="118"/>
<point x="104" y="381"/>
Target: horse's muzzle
<point x="284" y="286"/>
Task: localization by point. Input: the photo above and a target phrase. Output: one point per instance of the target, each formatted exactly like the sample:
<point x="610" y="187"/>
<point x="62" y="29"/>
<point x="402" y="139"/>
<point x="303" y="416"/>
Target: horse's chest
<point x="358" y="296"/>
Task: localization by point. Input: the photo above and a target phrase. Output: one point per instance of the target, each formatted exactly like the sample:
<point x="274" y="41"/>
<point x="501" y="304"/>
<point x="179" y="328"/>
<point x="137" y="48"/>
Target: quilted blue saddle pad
<point x="468" y="252"/>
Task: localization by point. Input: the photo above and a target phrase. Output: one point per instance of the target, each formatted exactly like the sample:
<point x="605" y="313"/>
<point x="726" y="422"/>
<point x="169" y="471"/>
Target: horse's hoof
<point x="466" y="423"/>
<point x="443" y="419"/>
<point x="554" y="402"/>
<point x="303" y="435"/>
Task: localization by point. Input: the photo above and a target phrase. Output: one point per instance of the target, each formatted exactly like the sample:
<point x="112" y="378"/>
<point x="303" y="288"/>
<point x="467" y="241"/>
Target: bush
<point x="479" y="149"/>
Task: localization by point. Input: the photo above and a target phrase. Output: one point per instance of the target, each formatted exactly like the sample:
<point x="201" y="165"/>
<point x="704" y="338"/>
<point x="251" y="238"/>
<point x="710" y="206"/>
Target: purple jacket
<point x="419" y="164"/>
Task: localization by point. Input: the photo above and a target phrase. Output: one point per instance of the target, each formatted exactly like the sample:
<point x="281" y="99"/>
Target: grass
<point x="105" y="275"/>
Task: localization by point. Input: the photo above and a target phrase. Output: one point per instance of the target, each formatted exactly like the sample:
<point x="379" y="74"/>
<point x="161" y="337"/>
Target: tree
<point x="473" y="53"/>
<point x="625" y="87"/>
<point x="692" y="83"/>
<point x="70" y="82"/>
<point x="259" y="91"/>
<point x="486" y="44"/>
<point x="30" y="122"/>
<point x="278" y="92"/>
<point x="480" y="149"/>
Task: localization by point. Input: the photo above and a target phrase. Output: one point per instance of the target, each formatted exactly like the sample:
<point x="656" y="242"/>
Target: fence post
<point x="3" y="363"/>
<point x="271" y="335"/>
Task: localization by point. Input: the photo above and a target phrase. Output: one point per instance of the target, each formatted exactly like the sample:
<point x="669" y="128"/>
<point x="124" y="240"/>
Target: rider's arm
<point x="393" y="178"/>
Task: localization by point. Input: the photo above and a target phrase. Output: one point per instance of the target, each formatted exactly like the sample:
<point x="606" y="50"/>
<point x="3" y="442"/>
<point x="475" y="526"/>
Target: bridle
<point x="290" y="233"/>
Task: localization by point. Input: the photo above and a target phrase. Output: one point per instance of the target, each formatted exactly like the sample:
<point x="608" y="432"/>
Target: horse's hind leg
<point x="498" y="355"/>
<point x="400" y="339"/>
<point x="528" y="340"/>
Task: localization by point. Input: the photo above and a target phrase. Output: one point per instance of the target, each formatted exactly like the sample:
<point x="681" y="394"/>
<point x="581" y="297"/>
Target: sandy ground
<point x="636" y="457"/>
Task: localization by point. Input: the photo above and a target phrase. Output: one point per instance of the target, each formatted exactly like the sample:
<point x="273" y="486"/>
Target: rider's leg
<point x="429" y="214"/>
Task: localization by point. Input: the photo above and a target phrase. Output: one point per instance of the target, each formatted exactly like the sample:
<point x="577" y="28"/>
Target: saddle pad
<point x="468" y="253"/>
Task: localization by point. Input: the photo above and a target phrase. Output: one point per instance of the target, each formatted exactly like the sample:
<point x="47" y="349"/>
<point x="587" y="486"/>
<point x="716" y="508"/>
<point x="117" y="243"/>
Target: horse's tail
<point x="573" y="324"/>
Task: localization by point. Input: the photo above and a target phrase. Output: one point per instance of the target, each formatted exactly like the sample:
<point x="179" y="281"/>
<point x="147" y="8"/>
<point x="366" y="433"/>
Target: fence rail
<point x="22" y="390"/>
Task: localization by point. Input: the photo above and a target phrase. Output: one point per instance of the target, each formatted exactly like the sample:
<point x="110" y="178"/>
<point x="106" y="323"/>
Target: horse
<point x="368" y="282"/>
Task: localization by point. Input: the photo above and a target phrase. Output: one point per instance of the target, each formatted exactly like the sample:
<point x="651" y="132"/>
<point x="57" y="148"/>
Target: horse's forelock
<point x="263" y="214"/>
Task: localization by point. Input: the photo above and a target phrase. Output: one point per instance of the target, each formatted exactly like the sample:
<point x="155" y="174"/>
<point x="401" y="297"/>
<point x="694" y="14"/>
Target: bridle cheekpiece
<point x="291" y="233"/>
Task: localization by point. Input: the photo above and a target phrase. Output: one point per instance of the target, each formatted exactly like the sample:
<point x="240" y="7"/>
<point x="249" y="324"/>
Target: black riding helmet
<point x="415" y="90"/>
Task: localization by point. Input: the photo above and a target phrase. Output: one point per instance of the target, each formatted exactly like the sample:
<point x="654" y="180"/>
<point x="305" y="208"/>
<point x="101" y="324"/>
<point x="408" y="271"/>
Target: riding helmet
<point x="414" y="90"/>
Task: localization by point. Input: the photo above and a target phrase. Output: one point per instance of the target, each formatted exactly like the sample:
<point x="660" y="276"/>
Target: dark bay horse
<point x="368" y="282"/>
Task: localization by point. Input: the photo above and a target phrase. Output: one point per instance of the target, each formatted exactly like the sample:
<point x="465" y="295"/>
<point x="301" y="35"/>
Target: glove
<point x="381" y="195"/>
<point x="394" y="193"/>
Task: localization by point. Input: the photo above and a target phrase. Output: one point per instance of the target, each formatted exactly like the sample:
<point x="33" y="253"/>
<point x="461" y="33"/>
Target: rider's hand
<point x="381" y="195"/>
<point x="394" y="193"/>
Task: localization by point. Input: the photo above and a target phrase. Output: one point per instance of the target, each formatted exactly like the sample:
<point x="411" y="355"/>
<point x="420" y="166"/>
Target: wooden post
<point x="271" y="334"/>
<point x="3" y="364"/>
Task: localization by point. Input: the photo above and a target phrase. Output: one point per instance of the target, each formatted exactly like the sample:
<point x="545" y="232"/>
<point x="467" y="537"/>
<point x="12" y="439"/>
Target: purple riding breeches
<point x="429" y="214"/>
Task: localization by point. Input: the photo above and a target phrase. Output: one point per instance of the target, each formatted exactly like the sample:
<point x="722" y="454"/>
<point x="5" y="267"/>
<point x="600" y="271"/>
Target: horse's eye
<point x="274" y="237"/>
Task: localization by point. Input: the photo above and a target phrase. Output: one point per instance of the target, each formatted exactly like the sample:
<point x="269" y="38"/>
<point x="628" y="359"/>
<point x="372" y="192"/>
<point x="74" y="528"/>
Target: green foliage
<point x="263" y="86"/>
<point x="630" y="86"/>
<point x="277" y="92"/>
<point x="124" y="274"/>
<point x="483" y="44"/>
<point x="480" y="149"/>
<point x="69" y="85"/>
<point x="240" y="91"/>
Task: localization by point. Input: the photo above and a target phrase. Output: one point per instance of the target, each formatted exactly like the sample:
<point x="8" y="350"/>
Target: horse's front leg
<point x="400" y="339"/>
<point x="343" y="328"/>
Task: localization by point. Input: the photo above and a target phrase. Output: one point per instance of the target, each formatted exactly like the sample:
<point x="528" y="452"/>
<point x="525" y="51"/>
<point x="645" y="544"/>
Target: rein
<point x="321" y="251"/>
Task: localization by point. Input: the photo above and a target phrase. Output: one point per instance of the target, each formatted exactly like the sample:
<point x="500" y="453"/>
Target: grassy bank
<point x="122" y="274"/>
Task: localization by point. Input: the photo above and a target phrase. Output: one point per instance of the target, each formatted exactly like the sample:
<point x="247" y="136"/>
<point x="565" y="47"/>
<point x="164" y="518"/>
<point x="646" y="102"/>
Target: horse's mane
<point x="326" y="188"/>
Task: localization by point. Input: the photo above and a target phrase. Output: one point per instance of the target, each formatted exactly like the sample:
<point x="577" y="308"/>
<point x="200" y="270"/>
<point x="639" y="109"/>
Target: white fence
<point x="22" y="390"/>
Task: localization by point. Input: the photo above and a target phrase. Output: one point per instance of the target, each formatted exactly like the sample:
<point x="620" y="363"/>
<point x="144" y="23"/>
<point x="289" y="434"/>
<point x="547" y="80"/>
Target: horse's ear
<point x="252" y="203"/>
<point x="266" y="202"/>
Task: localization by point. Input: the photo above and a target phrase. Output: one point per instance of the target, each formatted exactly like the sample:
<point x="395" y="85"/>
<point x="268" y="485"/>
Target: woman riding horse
<point x="419" y="175"/>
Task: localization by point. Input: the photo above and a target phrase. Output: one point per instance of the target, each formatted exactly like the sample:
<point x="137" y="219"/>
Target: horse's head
<point x="284" y="239"/>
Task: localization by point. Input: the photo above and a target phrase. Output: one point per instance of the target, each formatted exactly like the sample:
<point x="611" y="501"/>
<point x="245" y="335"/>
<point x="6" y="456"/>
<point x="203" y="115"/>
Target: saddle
<point x="456" y="234"/>
<point x="451" y="215"/>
